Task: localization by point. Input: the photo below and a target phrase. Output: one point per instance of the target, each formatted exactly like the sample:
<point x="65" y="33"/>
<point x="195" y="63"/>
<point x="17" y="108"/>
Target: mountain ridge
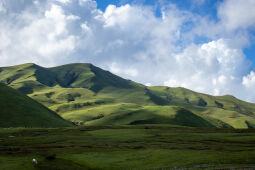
<point x="84" y="93"/>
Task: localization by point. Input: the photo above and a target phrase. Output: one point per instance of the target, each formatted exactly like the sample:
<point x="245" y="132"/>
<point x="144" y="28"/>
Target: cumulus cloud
<point x="133" y="42"/>
<point x="237" y="13"/>
<point x="2" y="9"/>
<point x="64" y="1"/>
<point x="131" y="72"/>
<point x="212" y="67"/>
<point x="42" y="37"/>
<point x="249" y="80"/>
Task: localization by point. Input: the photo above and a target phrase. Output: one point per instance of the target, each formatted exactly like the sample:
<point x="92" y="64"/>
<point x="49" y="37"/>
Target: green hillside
<point x="18" y="110"/>
<point x="88" y="95"/>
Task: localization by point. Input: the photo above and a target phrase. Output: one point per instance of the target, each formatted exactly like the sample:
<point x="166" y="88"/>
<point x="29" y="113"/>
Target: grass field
<point x="127" y="147"/>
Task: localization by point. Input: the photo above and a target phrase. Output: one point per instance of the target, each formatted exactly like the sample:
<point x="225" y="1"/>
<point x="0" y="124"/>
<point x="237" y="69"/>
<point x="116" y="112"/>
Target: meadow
<point x="127" y="147"/>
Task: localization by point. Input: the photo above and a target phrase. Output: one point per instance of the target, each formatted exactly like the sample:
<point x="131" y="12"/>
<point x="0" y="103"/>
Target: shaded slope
<point x="18" y="110"/>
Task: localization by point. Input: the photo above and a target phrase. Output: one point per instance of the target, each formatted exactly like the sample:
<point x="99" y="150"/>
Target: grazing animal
<point x="34" y="161"/>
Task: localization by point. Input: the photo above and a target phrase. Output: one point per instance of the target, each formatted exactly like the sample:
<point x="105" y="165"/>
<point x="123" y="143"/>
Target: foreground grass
<point x="127" y="147"/>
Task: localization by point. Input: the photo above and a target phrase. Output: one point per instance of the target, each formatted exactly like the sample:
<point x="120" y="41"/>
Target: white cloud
<point x="42" y="38"/>
<point x="147" y="84"/>
<point x="56" y="15"/>
<point x="173" y="83"/>
<point x="249" y="80"/>
<point x="130" y="72"/>
<point x="237" y="13"/>
<point x="89" y="3"/>
<point x="2" y="8"/>
<point x="64" y="1"/>
<point x="210" y="68"/>
<point x="85" y="27"/>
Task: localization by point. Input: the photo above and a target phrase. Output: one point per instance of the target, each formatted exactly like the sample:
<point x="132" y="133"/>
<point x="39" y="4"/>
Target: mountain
<point x="88" y="95"/>
<point x="18" y="110"/>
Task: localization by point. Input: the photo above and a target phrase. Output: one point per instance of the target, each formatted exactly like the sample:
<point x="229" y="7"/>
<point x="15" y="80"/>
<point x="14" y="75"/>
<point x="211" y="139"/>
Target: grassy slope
<point x="89" y="95"/>
<point x="18" y="110"/>
<point x="225" y="108"/>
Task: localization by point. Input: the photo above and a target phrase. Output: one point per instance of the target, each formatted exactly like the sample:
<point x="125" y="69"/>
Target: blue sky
<point x="203" y="45"/>
<point x="250" y="50"/>
<point x="201" y="7"/>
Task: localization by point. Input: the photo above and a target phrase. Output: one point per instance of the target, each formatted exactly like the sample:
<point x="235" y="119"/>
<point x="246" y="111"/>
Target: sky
<point x="204" y="45"/>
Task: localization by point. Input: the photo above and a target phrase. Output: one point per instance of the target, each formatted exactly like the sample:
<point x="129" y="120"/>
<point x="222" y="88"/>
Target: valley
<point x="79" y="116"/>
<point x="127" y="147"/>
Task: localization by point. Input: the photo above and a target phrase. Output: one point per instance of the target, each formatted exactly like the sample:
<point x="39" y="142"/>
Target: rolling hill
<point x="88" y="95"/>
<point x="18" y="110"/>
